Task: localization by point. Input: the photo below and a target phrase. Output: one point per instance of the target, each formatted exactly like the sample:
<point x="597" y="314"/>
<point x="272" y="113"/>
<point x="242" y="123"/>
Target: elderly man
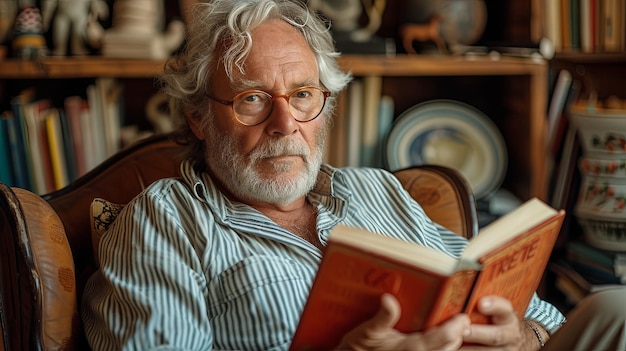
<point x="223" y="258"/>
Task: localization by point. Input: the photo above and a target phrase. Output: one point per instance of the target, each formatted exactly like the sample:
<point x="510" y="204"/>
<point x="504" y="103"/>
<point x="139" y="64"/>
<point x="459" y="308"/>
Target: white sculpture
<point x="137" y="31"/>
<point x="71" y="21"/>
<point x="345" y="14"/>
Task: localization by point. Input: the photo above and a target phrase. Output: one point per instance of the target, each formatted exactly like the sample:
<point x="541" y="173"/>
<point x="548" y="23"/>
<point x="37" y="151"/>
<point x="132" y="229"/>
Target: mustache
<point x="280" y="147"/>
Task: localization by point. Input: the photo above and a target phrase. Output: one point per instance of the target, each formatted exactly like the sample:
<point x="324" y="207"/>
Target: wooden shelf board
<point x="80" y="67"/>
<point x="427" y="65"/>
<point x="592" y="58"/>
<point x="359" y="65"/>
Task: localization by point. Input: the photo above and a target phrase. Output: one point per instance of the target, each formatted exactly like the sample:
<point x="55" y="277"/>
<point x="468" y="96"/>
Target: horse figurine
<point x="423" y="32"/>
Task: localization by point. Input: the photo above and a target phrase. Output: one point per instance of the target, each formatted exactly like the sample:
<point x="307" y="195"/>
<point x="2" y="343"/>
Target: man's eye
<point x="303" y="94"/>
<point x="253" y="98"/>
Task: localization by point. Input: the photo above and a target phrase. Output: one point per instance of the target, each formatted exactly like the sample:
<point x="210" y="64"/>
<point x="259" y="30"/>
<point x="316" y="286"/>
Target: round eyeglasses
<point x="252" y="107"/>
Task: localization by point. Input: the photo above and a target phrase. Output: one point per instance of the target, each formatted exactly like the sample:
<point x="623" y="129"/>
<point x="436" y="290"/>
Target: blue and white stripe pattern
<point x="184" y="268"/>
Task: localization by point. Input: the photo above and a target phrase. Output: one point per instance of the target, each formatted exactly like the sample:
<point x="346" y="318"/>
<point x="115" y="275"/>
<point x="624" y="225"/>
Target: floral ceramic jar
<point x="601" y="205"/>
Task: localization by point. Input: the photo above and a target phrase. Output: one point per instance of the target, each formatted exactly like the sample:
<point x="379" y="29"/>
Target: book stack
<point x="584" y="269"/>
<point x="45" y="145"/>
<point x="363" y="119"/>
<point x="589" y="26"/>
<point x="596" y="265"/>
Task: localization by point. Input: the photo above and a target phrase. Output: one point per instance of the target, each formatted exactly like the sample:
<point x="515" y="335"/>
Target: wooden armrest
<point x="36" y="266"/>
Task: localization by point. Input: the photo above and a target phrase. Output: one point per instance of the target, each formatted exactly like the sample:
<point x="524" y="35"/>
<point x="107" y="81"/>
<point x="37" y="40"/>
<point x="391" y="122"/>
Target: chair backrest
<point x="445" y="195"/>
<point x="45" y="241"/>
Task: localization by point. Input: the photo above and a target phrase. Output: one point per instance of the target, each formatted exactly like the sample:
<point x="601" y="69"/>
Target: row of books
<point x="43" y="147"/>
<point x="584" y="269"/>
<point x="562" y="139"/>
<point x="564" y="147"/>
<point x="363" y="119"/>
<point x="589" y="26"/>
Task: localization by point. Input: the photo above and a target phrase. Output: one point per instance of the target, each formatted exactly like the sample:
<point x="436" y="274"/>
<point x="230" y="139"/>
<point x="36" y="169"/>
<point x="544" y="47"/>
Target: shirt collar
<point x="330" y="188"/>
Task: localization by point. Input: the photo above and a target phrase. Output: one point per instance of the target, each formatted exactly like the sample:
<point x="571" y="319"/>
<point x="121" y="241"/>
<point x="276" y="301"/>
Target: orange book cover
<point x="431" y="286"/>
<point x="510" y="272"/>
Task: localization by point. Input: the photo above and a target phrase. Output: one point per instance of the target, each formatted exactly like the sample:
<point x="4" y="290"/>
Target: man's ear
<point x="195" y="124"/>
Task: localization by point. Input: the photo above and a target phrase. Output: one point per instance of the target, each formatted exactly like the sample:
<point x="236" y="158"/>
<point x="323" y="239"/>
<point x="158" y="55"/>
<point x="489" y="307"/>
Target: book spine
<point x="385" y="121"/>
<point x="21" y="179"/>
<point x="32" y="112"/>
<point x="336" y="139"/>
<point x="566" y="25"/>
<point x="593" y="25"/>
<point x="611" y="25"/>
<point x="372" y="86"/>
<point x="45" y="154"/>
<point x="552" y="21"/>
<point x="67" y="144"/>
<point x="355" y="110"/>
<point x="96" y="122"/>
<point x="575" y="24"/>
<point x="585" y="13"/>
<point x="558" y="103"/>
<point x="18" y="104"/>
<point x="73" y="106"/>
<point x="55" y="140"/>
<point x="5" y="154"/>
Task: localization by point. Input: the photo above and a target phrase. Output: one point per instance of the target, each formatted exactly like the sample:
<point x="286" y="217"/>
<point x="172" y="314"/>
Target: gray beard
<point x="239" y="175"/>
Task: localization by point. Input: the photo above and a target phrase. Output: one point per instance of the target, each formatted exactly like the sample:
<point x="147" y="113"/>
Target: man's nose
<point x="281" y="121"/>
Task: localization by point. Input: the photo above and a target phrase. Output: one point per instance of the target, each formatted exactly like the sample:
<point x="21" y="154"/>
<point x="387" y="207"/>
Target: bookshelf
<point x="595" y="56"/>
<point x="529" y="75"/>
<point x="510" y="90"/>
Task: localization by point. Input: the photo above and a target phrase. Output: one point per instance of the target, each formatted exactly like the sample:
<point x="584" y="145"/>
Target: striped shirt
<point x="185" y="268"/>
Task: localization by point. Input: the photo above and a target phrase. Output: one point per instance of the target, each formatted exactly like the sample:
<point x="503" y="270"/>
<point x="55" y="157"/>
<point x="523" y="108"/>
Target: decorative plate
<point x="449" y="133"/>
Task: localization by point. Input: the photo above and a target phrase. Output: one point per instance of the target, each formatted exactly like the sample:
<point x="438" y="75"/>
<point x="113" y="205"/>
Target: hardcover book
<point x="506" y="258"/>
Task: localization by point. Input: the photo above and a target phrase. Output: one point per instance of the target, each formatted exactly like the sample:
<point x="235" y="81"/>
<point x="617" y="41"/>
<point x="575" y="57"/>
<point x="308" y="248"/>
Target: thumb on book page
<point x="377" y="331"/>
<point x="389" y="312"/>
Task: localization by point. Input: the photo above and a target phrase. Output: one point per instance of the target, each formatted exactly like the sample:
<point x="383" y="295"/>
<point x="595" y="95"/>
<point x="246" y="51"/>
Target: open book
<point x="507" y="258"/>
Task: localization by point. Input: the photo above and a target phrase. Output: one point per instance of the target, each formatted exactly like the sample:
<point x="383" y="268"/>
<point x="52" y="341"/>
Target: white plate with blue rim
<point x="453" y="134"/>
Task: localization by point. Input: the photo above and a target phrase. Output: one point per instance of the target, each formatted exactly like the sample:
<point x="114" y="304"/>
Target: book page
<point x="505" y="228"/>
<point x="410" y="253"/>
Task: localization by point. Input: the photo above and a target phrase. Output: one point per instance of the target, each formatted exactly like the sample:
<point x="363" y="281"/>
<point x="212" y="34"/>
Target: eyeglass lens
<point x="253" y="107"/>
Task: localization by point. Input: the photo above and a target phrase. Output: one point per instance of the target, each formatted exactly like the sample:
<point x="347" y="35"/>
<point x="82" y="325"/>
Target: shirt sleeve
<point x="545" y="314"/>
<point x="148" y="293"/>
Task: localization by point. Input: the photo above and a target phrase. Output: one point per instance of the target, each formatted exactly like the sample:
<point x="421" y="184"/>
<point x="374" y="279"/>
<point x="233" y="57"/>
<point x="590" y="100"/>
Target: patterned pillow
<point x="102" y="214"/>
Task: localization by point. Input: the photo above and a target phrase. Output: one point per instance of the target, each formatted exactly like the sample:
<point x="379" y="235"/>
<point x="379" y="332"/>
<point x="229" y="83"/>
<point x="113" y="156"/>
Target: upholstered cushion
<point x="102" y="214"/>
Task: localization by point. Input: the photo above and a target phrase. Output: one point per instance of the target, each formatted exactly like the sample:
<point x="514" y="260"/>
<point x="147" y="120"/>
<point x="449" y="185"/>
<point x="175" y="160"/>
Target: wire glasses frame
<point x="252" y="107"/>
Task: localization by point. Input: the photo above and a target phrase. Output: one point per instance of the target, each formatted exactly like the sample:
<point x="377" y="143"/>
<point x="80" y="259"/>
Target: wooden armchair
<point x="45" y="242"/>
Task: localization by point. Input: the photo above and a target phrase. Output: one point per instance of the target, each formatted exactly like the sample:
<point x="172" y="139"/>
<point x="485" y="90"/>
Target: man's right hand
<point x="378" y="333"/>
